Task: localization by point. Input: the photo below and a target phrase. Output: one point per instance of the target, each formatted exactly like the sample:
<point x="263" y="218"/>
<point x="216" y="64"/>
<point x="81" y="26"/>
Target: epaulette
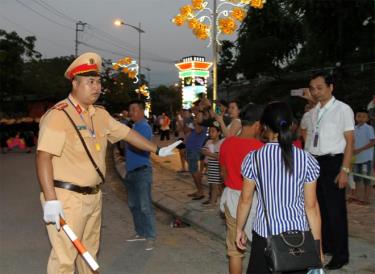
<point x="60" y="106"/>
<point x="99" y="106"/>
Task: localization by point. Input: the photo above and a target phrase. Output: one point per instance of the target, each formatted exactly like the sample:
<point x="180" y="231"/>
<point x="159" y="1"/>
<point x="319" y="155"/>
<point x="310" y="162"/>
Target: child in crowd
<point x="211" y="151"/>
<point x="363" y="151"/>
<point x="194" y="143"/>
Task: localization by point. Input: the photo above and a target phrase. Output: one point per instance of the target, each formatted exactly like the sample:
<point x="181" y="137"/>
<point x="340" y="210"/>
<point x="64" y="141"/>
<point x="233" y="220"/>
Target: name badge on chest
<point x="316" y="139"/>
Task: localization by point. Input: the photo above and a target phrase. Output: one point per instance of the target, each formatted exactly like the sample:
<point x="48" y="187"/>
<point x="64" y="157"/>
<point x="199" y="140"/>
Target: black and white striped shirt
<point x="283" y="192"/>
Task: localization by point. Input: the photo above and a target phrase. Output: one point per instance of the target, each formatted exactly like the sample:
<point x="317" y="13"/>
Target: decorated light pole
<point x="207" y="23"/>
<point x="128" y="66"/>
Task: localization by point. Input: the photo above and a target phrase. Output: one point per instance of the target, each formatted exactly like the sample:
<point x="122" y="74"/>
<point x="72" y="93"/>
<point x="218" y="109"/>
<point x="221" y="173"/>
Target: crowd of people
<point x="18" y="134"/>
<point x="267" y="173"/>
<point x="307" y="168"/>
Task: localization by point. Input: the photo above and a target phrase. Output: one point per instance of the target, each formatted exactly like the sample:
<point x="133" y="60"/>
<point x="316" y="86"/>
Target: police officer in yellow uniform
<point x="69" y="181"/>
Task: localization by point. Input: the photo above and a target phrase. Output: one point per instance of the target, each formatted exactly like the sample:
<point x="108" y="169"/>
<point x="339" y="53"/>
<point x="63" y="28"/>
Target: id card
<point x="316" y="139"/>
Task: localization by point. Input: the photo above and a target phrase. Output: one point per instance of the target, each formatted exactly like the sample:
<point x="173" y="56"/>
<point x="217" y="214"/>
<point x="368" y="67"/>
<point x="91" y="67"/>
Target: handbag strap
<point x="86" y="148"/>
<point x="261" y="193"/>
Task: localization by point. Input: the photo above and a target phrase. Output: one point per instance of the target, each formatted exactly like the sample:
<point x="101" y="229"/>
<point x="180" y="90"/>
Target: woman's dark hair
<point x="278" y="117"/>
<point x="238" y="104"/>
<point x="224" y="103"/>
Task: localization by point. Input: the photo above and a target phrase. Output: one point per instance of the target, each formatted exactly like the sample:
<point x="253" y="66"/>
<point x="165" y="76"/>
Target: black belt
<point x="328" y="156"/>
<point x="138" y="168"/>
<point x="85" y="190"/>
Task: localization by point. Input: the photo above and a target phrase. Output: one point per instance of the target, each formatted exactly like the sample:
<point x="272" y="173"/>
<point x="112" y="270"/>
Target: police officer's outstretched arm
<point x="119" y="131"/>
<point x="52" y="208"/>
<point x="138" y="141"/>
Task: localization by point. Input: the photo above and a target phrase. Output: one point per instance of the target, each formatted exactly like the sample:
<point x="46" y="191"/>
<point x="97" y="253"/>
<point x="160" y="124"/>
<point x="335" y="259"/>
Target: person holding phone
<point x="234" y="127"/>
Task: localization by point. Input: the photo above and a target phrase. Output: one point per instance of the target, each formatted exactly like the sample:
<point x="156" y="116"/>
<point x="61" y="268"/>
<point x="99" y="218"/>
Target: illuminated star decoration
<point x="128" y="66"/>
<point x="230" y="13"/>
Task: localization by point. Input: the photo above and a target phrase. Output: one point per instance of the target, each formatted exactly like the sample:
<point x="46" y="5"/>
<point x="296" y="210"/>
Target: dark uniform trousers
<point x="332" y="208"/>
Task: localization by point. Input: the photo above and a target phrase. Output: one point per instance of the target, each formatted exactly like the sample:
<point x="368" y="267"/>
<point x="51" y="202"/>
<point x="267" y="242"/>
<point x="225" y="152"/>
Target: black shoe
<point x="332" y="265"/>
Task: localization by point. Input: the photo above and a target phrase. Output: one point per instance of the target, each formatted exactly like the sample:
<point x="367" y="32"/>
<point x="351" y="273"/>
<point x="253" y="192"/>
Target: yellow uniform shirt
<point x="57" y="136"/>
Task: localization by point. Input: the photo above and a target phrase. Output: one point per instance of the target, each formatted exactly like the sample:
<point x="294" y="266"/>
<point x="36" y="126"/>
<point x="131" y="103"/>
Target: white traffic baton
<point x="78" y="245"/>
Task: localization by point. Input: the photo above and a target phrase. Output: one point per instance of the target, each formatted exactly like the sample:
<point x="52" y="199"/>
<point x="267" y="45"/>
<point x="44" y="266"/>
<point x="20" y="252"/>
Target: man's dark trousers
<point x="333" y="208"/>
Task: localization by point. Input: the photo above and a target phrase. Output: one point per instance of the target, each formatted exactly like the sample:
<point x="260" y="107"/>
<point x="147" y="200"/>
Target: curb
<point x="187" y="216"/>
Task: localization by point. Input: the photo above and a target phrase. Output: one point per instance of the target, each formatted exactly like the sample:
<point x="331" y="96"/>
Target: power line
<point x="108" y="37"/>
<point x="106" y="40"/>
<point x="58" y="12"/>
<point x="29" y="31"/>
<point x="102" y="49"/>
<point x="122" y="54"/>
<point x="51" y="9"/>
<point x="45" y="17"/>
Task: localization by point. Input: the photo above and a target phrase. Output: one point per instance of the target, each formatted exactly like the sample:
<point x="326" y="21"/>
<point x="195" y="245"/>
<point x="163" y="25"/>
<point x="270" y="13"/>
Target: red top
<point x="232" y="152"/>
<point x="298" y="143"/>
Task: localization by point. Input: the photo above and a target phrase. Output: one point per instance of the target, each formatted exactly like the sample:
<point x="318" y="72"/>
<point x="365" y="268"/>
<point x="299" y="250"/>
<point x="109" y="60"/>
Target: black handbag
<point x="290" y="250"/>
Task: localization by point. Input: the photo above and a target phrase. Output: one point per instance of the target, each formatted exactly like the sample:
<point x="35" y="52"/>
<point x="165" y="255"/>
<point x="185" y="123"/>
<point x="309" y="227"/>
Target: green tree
<point x="45" y="77"/>
<point x="335" y="31"/>
<point x="227" y="60"/>
<point x="14" y="51"/>
<point x="269" y="39"/>
<point x="118" y="89"/>
<point x="166" y="99"/>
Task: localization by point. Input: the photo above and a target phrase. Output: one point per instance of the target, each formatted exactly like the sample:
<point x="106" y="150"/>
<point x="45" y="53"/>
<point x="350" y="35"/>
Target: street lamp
<point x="119" y="23"/>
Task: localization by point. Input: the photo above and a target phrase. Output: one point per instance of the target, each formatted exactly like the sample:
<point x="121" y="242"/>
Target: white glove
<point x="168" y="150"/>
<point x="52" y="211"/>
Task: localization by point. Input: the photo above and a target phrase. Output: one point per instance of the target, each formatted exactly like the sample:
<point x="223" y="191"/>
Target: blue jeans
<point x="138" y="184"/>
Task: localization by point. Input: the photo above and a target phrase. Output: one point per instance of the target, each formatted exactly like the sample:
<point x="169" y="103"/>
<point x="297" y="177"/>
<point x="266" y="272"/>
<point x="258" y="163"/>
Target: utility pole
<point x="139" y="49"/>
<point x="214" y="53"/>
<point x="80" y="26"/>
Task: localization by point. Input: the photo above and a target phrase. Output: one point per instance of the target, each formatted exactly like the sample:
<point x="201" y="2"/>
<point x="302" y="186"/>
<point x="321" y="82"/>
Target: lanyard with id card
<point x="319" y="120"/>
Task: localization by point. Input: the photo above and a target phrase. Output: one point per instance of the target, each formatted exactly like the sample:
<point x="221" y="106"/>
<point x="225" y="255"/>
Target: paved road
<point x="24" y="246"/>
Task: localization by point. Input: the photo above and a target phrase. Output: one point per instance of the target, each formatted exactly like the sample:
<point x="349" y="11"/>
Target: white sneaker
<point x="136" y="238"/>
<point x="150" y="245"/>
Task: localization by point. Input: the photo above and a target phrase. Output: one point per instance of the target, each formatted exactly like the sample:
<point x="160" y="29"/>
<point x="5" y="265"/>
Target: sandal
<point x="196" y="198"/>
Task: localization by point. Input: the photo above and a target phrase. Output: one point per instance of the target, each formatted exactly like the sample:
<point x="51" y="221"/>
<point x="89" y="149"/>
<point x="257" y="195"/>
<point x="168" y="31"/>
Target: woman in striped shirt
<point x="288" y="177"/>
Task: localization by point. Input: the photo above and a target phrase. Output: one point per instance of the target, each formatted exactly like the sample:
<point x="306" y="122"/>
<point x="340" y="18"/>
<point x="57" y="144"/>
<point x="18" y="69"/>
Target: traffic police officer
<point x="68" y="179"/>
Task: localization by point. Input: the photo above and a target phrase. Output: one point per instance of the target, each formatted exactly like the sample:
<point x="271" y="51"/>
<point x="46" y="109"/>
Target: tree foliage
<point x="268" y="39"/>
<point x="166" y="99"/>
<point x="118" y="89"/>
<point x="290" y="35"/>
<point x="335" y="31"/>
<point x="227" y="60"/>
<point x="14" y="52"/>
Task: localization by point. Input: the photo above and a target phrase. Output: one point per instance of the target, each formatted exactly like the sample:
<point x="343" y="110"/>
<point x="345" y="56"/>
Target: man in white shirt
<point x="329" y="137"/>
